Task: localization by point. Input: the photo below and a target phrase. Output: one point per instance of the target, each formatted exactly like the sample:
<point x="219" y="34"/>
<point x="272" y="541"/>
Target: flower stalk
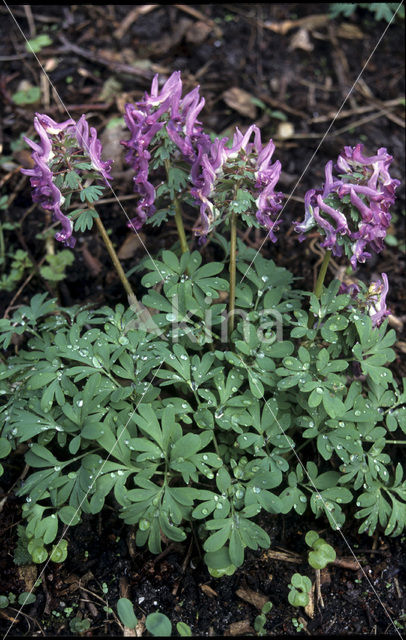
<point x="114" y="258"/>
<point x="178" y="216"/>
<point x="320" y="281"/>
<point x="232" y="270"/>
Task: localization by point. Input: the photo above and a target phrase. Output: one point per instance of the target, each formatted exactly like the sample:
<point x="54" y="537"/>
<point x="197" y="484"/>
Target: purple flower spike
<point x="56" y="140"/>
<point x="352" y="210"/>
<point x="376" y="301"/>
<point x="45" y="191"/>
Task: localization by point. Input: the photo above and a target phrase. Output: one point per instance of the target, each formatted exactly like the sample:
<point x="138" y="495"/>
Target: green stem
<point x="395" y="441"/>
<point x="114" y="258"/>
<point x="178" y="216"/>
<point x="179" y="225"/>
<point x="320" y="280"/>
<point x="322" y="274"/>
<point x="232" y="269"/>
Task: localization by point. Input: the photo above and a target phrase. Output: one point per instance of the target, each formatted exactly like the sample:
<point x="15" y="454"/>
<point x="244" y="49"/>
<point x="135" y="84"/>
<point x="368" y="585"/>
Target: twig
<point x="350" y="112"/>
<point x="338" y="132"/>
<point x="282" y="106"/>
<point x="200" y="16"/>
<point x="30" y="20"/>
<point x="132" y="17"/>
<point x="116" y="66"/>
<point x="366" y="92"/>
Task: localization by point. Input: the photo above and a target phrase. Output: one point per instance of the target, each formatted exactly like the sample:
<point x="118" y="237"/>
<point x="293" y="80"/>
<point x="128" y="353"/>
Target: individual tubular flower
<point x="376" y="300"/>
<point x="59" y="141"/>
<point x="352" y="210"/>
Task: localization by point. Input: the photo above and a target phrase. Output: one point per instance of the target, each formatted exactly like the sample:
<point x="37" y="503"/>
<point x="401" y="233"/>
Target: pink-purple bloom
<point x="207" y="160"/>
<point x="265" y="175"/>
<point x="54" y="138"/>
<point x="352" y="210"/>
<point x="145" y="119"/>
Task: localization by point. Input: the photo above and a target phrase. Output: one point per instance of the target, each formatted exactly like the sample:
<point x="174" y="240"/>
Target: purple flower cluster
<point x="258" y="160"/>
<point x="167" y="108"/>
<point x="56" y="139"/>
<point x="145" y="119"/>
<point x="352" y="210"/>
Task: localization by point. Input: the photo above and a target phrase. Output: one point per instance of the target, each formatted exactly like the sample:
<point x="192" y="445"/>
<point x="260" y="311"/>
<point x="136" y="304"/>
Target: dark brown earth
<point x="251" y="47"/>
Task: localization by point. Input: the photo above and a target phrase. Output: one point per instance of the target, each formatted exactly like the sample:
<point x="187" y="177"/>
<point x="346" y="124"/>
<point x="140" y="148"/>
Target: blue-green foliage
<point x="176" y="425"/>
<point x="381" y="10"/>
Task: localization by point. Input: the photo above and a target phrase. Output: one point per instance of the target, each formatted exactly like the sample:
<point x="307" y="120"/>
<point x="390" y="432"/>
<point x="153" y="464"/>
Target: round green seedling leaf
<point x="311" y="537"/>
<point x="26" y="598"/>
<point x="59" y="552"/>
<point x="183" y="629"/>
<point x="158" y="624"/>
<point x="298" y="599"/>
<point x="321" y="557"/>
<point x="4" y="602"/>
<point x="126" y="613"/>
<point x="39" y="554"/>
<point x="300" y="587"/>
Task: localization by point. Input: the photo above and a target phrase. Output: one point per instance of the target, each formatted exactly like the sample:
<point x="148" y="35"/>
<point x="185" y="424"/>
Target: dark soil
<point x="237" y="49"/>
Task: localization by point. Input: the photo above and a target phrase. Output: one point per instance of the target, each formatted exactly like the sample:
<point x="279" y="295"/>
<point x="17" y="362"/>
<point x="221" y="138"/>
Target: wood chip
<point x="131" y="17"/>
<point x="28" y="574"/>
<point x="395" y="322"/>
<point x="349" y="31"/>
<point x="91" y="261"/>
<point x="130" y="245"/>
<point x="241" y="101"/>
<point x="252" y="597"/>
<point x="401" y="346"/>
<point x="242" y="627"/>
<point x="301" y="40"/>
<point x="309" y="22"/>
<point x="198" y="32"/>
<point x="208" y="591"/>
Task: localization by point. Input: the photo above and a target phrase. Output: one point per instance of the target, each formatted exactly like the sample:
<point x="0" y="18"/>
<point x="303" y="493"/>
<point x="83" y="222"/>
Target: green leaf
<point x="59" y="552"/>
<point x="27" y="96"/>
<point x="39" y="42"/>
<point x="158" y="624"/>
<point x="26" y="598"/>
<point x="183" y="629"/>
<point x="126" y="613"/>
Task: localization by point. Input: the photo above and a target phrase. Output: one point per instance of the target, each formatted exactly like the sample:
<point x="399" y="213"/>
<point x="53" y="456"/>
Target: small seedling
<point x="298" y="625"/>
<point x="79" y="626"/>
<point x="322" y="553"/>
<point x="260" y="621"/>
<point x="300" y="587"/>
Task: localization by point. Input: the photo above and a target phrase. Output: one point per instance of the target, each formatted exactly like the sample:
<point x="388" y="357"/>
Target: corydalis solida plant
<point x="202" y="445"/>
